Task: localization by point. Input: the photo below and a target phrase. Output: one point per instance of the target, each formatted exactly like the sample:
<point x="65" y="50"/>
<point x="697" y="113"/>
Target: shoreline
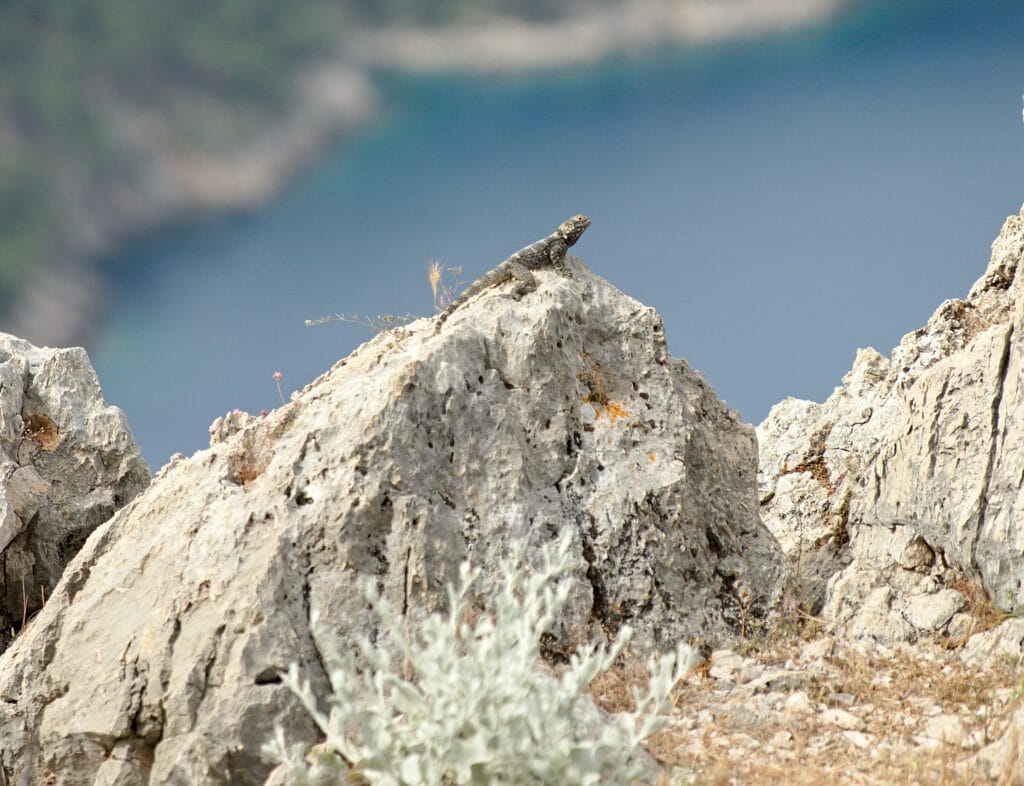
<point x="509" y="47"/>
<point x="62" y="303"/>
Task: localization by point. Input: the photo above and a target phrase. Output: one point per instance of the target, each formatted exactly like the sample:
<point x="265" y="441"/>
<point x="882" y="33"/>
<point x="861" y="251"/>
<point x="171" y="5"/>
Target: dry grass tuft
<point x="445" y="283"/>
<point x="979" y="605"/>
<point x="39" y="428"/>
<point x="816" y="469"/>
<point x="614" y="690"/>
<point x="434" y="275"/>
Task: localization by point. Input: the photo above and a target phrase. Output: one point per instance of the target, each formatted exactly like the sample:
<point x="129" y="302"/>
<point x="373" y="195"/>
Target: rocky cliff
<point x="899" y="500"/>
<point x="896" y="503"/>
<point x="900" y="496"/>
<point x="67" y="462"/>
<point x="157" y="658"/>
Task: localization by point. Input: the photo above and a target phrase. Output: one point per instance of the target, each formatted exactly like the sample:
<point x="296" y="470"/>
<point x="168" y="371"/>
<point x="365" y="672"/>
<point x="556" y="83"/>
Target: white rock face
<point x="68" y="461"/>
<point x="908" y="478"/>
<point x="157" y="659"/>
<point x="1003" y="641"/>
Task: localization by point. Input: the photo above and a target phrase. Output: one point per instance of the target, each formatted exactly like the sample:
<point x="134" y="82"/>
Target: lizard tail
<point x="443" y="316"/>
<point x="456" y="304"/>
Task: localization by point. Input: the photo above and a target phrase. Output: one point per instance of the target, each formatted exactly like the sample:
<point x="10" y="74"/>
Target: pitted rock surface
<point x="156" y="660"/>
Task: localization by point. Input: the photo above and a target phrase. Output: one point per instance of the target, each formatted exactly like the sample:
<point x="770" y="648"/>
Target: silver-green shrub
<point x="479" y="708"/>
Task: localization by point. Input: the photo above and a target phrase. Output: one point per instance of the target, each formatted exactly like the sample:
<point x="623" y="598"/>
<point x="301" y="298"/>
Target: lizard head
<point x="571" y="230"/>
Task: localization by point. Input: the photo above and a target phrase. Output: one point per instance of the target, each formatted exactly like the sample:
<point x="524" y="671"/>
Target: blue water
<point x="780" y="203"/>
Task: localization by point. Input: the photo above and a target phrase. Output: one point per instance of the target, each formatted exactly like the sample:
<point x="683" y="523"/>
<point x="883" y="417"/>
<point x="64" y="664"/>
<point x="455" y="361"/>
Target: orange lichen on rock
<point x="614" y="412"/>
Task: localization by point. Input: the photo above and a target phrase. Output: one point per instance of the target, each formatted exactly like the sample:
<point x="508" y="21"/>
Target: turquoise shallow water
<point x="780" y="203"/>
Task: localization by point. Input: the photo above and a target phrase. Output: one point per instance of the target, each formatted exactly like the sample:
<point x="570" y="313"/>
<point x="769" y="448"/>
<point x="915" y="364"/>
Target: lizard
<point x="548" y="251"/>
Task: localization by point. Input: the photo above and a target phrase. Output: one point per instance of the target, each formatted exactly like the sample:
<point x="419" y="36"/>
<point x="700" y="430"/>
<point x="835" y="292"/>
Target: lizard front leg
<point x="556" y="253"/>
<point x="526" y="282"/>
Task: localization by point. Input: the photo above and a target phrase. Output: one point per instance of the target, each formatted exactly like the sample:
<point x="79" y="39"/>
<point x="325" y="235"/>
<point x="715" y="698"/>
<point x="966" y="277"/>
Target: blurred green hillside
<point x="75" y="73"/>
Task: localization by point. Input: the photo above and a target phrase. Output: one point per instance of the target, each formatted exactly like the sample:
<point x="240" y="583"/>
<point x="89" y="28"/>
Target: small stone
<point x="974" y="740"/>
<point x="745" y="741"/>
<point x="818" y="649"/>
<point x="782" y="739"/>
<point x="858" y="739"/>
<point x="876" y="623"/>
<point x="26" y="490"/>
<point x="725" y="665"/>
<point x="945" y="728"/>
<point x="927" y="743"/>
<point x="749" y="672"/>
<point x="960" y="626"/>
<point x="798" y="704"/>
<point x="933" y="611"/>
<point x="779" y="679"/>
<point x="917" y="555"/>
<point x="841" y="718"/>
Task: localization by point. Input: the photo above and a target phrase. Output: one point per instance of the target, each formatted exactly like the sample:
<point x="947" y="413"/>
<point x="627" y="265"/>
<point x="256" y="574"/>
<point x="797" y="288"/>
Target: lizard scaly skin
<point x="549" y="251"/>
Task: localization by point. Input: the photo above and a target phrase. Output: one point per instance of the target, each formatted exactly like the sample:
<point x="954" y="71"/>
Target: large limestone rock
<point x="67" y="462"/>
<point x="901" y="495"/>
<point x="157" y="659"/>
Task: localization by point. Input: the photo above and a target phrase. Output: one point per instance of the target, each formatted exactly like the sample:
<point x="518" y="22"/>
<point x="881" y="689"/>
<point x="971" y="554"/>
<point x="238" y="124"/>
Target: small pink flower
<point x="277" y="381"/>
<point x="263" y="413"/>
